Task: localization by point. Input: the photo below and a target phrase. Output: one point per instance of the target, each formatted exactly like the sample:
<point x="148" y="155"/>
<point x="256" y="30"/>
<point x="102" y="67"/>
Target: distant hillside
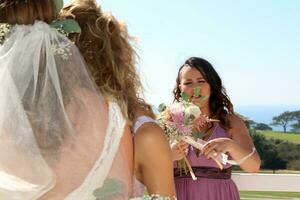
<point x="291" y="137"/>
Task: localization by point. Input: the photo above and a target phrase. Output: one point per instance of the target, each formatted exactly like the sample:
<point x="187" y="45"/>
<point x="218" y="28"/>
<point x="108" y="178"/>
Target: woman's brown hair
<point x="26" y="11"/>
<point x="105" y="45"/>
<point x="219" y="101"/>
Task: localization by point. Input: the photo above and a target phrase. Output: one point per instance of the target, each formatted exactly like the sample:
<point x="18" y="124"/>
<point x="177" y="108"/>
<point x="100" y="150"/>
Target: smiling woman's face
<point x="191" y="78"/>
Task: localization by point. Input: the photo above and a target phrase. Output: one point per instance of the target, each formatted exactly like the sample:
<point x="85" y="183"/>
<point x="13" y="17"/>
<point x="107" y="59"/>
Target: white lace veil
<point x="57" y="133"/>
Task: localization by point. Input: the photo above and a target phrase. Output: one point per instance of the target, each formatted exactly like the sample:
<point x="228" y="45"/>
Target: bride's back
<point x="80" y="161"/>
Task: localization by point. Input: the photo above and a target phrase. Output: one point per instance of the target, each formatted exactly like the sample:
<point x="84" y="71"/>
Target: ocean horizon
<point x="265" y="113"/>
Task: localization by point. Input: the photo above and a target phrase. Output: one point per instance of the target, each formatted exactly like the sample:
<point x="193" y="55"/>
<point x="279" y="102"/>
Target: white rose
<point x="193" y="110"/>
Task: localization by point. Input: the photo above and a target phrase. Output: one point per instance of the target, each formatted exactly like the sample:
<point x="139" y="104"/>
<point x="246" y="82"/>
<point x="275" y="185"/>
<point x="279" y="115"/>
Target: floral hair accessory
<point x="4" y="32"/>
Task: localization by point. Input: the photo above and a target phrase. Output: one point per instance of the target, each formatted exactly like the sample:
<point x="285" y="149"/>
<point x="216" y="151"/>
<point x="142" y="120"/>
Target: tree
<point x="273" y="161"/>
<point x="288" y="150"/>
<point x="251" y="123"/>
<point x="294" y="165"/>
<point x="283" y="120"/>
<point x="296" y="127"/>
<point x="296" y="117"/>
<point x="268" y="152"/>
<point x="262" y="126"/>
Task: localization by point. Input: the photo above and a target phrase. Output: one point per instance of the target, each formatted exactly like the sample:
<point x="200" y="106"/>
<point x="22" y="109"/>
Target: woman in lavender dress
<point x="229" y="135"/>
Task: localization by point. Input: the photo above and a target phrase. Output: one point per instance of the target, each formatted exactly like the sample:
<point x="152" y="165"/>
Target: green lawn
<point x="264" y="171"/>
<point x="269" y="195"/>
<point x="291" y="137"/>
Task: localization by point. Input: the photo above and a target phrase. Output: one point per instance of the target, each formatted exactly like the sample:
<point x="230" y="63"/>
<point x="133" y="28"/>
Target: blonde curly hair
<point x="105" y="45"/>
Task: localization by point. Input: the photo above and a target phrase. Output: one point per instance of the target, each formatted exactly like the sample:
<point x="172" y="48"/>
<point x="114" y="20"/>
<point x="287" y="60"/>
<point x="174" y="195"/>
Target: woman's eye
<point x="187" y="83"/>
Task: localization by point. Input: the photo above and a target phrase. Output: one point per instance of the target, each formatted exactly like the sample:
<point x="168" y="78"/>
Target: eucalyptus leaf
<point x="197" y="135"/>
<point x="68" y="25"/>
<point x="192" y="118"/>
<point x="162" y="107"/>
<point x="197" y="92"/>
<point x="59" y="4"/>
<point x="186" y="121"/>
<point x="110" y="188"/>
<point x="184" y="96"/>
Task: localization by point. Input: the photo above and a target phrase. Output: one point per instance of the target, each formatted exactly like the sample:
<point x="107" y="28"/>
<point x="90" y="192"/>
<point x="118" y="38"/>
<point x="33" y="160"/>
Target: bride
<point x="59" y="137"/>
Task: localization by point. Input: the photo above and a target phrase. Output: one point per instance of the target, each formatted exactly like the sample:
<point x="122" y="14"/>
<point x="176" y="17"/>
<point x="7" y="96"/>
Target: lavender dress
<point x="206" y="188"/>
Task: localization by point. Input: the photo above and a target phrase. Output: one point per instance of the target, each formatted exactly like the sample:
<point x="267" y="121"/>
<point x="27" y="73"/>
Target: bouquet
<point x="177" y="121"/>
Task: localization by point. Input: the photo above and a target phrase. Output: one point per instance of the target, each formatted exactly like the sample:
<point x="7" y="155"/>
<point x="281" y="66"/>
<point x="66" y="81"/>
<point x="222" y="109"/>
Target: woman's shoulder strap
<point x="140" y="121"/>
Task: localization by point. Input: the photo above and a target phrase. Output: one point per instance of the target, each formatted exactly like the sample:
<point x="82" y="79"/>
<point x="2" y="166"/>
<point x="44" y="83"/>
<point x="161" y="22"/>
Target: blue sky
<point x="254" y="45"/>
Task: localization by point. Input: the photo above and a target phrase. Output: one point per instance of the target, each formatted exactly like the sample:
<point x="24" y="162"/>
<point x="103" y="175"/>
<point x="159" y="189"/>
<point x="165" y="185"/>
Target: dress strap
<point x="140" y="121"/>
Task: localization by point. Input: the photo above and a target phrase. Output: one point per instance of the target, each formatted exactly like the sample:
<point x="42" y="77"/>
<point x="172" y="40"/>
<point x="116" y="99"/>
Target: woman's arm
<point x="153" y="160"/>
<point x="239" y="146"/>
<point x="242" y="145"/>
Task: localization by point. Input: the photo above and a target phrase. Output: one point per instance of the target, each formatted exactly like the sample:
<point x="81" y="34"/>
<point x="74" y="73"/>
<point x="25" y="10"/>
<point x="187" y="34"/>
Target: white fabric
<point x="111" y="144"/>
<point x="140" y="121"/>
<point x="10" y="182"/>
<point x="58" y="136"/>
<point x="138" y="188"/>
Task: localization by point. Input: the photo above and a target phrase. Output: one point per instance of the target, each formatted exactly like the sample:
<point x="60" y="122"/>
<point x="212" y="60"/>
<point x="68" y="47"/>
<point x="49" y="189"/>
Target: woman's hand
<point x="217" y="146"/>
<point x="200" y="121"/>
<point x="179" y="150"/>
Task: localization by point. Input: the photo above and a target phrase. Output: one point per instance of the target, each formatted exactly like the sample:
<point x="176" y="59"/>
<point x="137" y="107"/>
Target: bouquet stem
<point x="219" y="164"/>
<point x="199" y="146"/>
<point x="189" y="167"/>
<point x="213" y="120"/>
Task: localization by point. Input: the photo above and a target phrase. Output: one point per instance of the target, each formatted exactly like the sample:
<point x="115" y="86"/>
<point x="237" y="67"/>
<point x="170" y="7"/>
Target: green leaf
<point x="197" y="92"/>
<point x="59" y="4"/>
<point x="197" y="135"/>
<point x="186" y="121"/>
<point x="110" y="188"/>
<point x="192" y="118"/>
<point x="68" y="25"/>
<point x="162" y="107"/>
<point x="184" y="96"/>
